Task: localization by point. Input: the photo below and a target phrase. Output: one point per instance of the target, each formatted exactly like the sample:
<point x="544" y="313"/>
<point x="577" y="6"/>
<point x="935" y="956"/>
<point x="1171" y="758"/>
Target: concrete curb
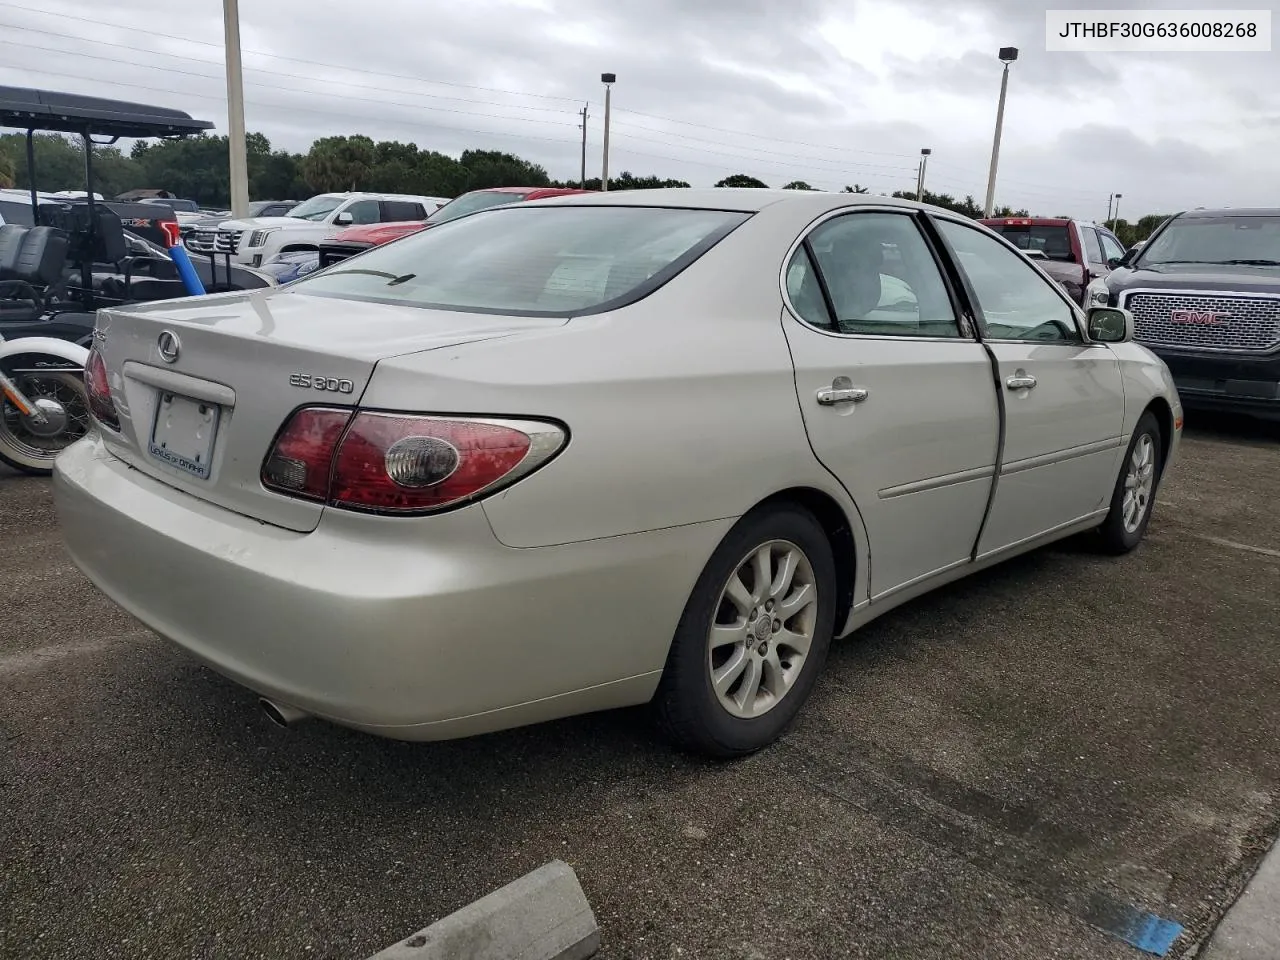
<point x="1251" y="928"/>
<point x="542" y="916"/>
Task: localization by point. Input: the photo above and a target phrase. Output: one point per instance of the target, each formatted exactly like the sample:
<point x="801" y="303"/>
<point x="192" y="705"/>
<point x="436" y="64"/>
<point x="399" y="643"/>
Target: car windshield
<point x="317" y="208"/>
<point x="1053" y="241"/>
<point x="259" y="208"/>
<point x="1216" y="240"/>
<point x="471" y="202"/>
<point x="531" y="260"/>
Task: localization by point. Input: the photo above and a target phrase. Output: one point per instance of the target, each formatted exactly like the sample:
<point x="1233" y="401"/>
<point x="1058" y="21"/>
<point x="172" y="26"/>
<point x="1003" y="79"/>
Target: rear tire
<point x="1134" y="495"/>
<point x="762" y="637"/>
<point x="33" y="453"/>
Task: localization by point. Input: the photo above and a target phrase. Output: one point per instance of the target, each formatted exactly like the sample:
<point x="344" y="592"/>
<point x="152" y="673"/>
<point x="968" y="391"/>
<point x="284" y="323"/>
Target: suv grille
<point x="1197" y="321"/>
<point x="213" y="241"/>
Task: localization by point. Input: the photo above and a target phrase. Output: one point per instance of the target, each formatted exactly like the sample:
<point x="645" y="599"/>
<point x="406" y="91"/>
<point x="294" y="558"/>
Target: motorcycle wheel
<point x="31" y="447"/>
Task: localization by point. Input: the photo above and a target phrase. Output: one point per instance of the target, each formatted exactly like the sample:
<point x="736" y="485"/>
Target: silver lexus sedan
<point x="607" y="449"/>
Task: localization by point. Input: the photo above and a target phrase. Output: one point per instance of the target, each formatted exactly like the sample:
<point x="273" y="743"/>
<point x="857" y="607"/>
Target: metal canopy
<point x="28" y="109"/>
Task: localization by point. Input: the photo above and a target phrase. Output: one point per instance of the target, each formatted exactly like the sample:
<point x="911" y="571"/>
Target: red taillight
<point x="97" y="386"/>
<point x="403" y="463"/>
<point x="301" y="459"/>
<point x="172" y="232"/>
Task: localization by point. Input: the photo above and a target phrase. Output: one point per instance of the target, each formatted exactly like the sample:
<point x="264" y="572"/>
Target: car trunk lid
<point x="203" y="385"/>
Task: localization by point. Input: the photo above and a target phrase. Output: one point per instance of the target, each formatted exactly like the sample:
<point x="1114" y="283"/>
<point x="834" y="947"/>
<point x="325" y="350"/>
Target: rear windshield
<point x="531" y="260"/>
<point x="471" y="202"/>
<point x="1216" y="240"/>
<point x="1053" y="242"/>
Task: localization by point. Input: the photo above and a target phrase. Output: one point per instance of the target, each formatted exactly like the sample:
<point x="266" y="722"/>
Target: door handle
<point x="1020" y="381"/>
<point x="830" y="396"/>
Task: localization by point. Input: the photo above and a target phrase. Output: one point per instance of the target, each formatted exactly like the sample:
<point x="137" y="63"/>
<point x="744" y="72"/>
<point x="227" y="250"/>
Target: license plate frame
<point x="193" y="424"/>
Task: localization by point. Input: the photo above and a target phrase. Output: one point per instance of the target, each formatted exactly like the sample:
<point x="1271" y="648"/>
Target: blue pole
<point x="190" y="279"/>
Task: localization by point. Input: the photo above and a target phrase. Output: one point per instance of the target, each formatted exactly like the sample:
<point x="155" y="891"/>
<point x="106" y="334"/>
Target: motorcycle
<point x="44" y="404"/>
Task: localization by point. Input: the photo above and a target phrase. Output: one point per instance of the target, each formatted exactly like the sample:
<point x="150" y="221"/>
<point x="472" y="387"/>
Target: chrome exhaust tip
<point x="281" y="714"/>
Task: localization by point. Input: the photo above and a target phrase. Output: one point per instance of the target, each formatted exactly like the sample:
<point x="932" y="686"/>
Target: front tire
<point x="753" y="637"/>
<point x="1134" y="495"/>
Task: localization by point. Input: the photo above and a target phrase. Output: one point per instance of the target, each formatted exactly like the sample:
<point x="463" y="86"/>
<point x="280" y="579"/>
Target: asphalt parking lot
<point x="1000" y="770"/>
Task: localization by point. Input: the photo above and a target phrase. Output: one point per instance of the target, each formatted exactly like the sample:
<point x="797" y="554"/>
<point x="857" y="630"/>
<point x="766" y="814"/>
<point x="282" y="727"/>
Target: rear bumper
<point x="1224" y="382"/>
<point x="411" y="628"/>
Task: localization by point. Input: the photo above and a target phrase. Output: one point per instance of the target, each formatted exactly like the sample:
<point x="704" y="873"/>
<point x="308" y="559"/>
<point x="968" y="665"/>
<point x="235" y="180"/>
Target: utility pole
<point x="924" y="161"/>
<point x="1110" y="200"/>
<point x="608" y="79"/>
<point x="1115" y="217"/>
<point x="235" y="110"/>
<point x="583" y="183"/>
<point x="1007" y="56"/>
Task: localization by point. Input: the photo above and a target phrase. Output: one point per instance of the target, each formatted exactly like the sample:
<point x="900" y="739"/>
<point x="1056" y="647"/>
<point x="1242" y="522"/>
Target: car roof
<point x="740" y="199"/>
<point x="1233" y="212"/>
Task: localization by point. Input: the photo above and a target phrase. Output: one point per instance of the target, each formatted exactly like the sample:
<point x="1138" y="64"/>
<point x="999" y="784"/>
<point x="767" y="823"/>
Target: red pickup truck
<point x="1075" y="252"/>
<point x="355" y="240"/>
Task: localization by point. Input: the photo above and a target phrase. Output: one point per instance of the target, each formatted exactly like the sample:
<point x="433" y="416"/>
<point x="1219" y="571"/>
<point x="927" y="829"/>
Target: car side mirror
<point x="343" y="219"/>
<point x="1115" y="262"/>
<point x="1110" y="325"/>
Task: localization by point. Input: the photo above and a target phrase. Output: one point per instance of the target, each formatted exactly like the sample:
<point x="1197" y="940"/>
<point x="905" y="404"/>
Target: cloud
<point x="824" y="91"/>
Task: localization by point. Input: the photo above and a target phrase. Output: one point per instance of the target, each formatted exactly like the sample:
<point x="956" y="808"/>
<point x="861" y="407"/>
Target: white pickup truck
<point x="256" y="240"/>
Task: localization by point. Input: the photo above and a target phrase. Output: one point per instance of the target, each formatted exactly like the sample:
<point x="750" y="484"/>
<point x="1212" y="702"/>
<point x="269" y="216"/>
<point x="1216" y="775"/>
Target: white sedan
<point x="606" y="449"/>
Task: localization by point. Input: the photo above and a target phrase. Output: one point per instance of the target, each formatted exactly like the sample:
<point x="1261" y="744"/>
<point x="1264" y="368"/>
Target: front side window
<point x="363" y="211"/>
<point x="532" y="260"/>
<point x="1092" y="245"/>
<point x="880" y="277"/>
<point x="1111" y="248"/>
<point x="1014" y="301"/>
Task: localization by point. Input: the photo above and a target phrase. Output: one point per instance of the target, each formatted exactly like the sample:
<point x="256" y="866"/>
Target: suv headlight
<point x="258" y="237"/>
<point x="1097" y="294"/>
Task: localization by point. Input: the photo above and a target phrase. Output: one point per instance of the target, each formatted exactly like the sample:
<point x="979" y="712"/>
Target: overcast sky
<point x="832" y="92"/>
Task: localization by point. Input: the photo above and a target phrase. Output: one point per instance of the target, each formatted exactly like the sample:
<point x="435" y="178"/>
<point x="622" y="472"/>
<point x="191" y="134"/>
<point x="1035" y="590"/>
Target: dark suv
<point x="1075" y="252"/>
<point x="1204" y="292"/>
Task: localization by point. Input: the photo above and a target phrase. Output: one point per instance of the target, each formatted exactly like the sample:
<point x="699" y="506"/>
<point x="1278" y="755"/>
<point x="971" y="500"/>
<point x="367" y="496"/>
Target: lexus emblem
<point x="169" y="346"/>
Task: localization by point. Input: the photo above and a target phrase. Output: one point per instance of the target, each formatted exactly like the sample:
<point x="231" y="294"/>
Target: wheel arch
<point x="1159" y="407"/>
<point x="843" y="533"/>
<point x="299" y="248"/>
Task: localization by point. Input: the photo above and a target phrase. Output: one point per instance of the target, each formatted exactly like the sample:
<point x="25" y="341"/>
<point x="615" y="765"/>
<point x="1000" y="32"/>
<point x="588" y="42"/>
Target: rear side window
<point x="1055" y="242"/>
<point x="532" y="260"/>
<point x="395" y="211"/>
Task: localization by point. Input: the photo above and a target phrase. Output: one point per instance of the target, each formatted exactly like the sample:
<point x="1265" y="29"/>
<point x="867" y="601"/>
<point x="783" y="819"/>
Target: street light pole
<point x="235" y="110"/>
<point x="1116" y="216"/>
<point x="608" y="79"/>
<point x="1007" y="56"/>
<point x="583" y="183"/>
<point x="924" y="162"/>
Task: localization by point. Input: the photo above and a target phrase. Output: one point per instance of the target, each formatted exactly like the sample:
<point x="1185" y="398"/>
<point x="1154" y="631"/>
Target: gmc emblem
<point x="1202" y="318"/>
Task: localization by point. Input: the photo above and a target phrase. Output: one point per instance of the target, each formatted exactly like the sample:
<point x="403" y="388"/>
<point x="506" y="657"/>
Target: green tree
<point x="625" y="181"/>
<point x="856" y="188"/>
<point x="492" y="168"/>
<point x="743" y="180"/>
<point x="8" y="170"/>
<point x="797" y="185"/>
<point x="60" y="164"/>
<point x="339" y="163"/>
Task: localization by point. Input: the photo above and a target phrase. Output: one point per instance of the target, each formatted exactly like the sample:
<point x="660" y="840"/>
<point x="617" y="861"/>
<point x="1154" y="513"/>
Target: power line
<point x="274" y="73"/>
<point x="278" y="56"/>
<point x="205" y="76"/>
<point x="811" y="164"/>
<point x="1055" y="191"/>
<point x="751" y="166"/>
